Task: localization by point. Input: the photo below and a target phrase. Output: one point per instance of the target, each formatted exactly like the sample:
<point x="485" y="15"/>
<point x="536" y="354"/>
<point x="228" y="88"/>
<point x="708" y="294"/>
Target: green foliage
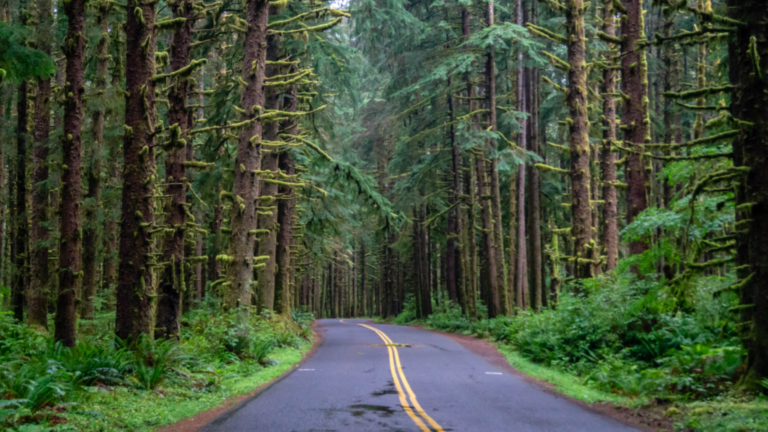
<point x="38" y="375"/>
<point x="622" y="336"/>
<point x="153" y="361"/>
<point x="18" y="60"/>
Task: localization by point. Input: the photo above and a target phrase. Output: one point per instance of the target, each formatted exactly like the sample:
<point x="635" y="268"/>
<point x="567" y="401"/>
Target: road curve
<point x="363" y="379"/>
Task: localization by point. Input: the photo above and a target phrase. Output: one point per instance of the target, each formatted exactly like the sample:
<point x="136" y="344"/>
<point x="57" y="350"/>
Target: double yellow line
<point x="394" y="359"/>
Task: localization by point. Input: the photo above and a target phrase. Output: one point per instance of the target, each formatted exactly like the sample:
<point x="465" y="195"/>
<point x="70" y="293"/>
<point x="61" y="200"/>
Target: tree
<point x="136" y="285"/>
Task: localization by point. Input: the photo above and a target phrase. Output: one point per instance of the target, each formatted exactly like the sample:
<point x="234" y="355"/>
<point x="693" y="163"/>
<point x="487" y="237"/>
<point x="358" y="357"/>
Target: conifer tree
<point x="93" y="169"/>
<point x="40" y="238"/>
<point x="136" y="297"/>
<point x="245" y="194"/>
<point x="70" y="258"/>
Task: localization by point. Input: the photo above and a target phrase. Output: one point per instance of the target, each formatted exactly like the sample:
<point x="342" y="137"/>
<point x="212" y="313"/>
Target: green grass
<point x="131" y="409"/>
<point x="565" y="383"/>
<point x="726" y="414"/>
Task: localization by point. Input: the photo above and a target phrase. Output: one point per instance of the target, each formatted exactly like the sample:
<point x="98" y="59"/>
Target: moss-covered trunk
<point x="214" y="245"/>
<point x="498" y="290"/>
<point x="536" y="275"/>
<point x="608" y="157"/>
<point x="172" y="281"/>
<point x="70" y="260"/>
<point x="748" y="54"/>
<point x="246" y="188"/>
<point x="581" y="210"/>
<point x="453" y="248"/>
<point x="633" y="120"/>
<point x="285" y="216"/>
<point x="92" y="204"/>
<point x="39" y="275"/>
<point x="136" y="297"/>
<point x="266" y="274"/>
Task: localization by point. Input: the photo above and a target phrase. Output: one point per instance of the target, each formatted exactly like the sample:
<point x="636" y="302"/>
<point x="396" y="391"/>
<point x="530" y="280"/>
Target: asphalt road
<point x="353" y="383"/>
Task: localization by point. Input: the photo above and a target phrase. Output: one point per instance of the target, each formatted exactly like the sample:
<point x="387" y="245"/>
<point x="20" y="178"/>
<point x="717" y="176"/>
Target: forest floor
<point x="730" y="412"/>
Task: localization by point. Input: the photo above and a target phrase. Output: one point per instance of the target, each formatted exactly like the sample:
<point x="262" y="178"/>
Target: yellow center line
<point x="416" y="404"/>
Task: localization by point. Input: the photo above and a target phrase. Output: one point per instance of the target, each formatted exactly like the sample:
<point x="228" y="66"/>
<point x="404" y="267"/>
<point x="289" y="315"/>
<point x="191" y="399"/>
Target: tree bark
<point x="285" y="216"/>
<point x="453" y="252"/>
<point x="172" y="280"/>
<point x="39" y="276"/>
<point x="136" y="298"/>
<point x="91" y="231"/>
<point x="521" y="294"/>
<point x="581" y="210"/>
<point x="535" y="222"/>
<point x="268" y="217"/>
<point x="748" y="59"/>
<point x="633" y="119"/>
<point x="70" y="260"/>
<point x="495" y="191"/>
<point x="246" y="190"/>
<point x="607" y="157"/>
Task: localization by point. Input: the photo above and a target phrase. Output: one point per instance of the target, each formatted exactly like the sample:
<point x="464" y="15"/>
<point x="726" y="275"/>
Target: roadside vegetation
<point x="621" y="340"/>
<point x="102" y="385"/>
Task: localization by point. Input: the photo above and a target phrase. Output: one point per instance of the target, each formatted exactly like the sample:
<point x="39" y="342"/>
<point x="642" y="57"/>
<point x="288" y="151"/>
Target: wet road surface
<point x="374" y="377"/>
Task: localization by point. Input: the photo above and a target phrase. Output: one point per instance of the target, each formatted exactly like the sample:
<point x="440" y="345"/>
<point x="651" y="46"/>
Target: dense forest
<point x="582" y="182"/>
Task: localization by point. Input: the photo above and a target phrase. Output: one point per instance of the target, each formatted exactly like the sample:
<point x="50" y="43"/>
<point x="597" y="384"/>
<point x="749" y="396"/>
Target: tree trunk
<point x="21" y="235"/>
<point x="246" y="188"/>
<point x="633" y="120"/>
<point x="70" y="260"/>
<point x="136" y="298"/>
<point x="214" y="266"/>
<point x="39" y="275"/>
<point x="497" y="289"/>
<point x="91" y="231"/>
<point x="535" y="222"/>
<point x="172" y="281"/>
<point x="453" y="251"/>
<point x="268" y="217"/>
<point x="285" y="216"/>
<point x="607" y="157"/>
<point x="521" y="294"/>
<point x="581" y="210"/>
<point x="748" y="59"/>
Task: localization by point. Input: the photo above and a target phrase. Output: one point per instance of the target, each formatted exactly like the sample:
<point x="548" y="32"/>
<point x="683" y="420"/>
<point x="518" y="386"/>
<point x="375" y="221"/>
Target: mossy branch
<point x="288" y="82"/>
<point x="540" y="31"/>
<point x="171" y="23"/>
<point x="317" y="28"/>
<point x="183" y="72"/>
<point x="705" y="92"/>
<point x="547" y="168"/>
<point x="610" y="39"/>
<point x="697" y="142"/>
<point x="557" y="62"/>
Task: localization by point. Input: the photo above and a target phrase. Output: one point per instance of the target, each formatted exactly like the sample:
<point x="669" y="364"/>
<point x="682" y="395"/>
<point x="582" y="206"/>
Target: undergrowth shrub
<point x="621" y="334"/>
<point x="40" y="378"/>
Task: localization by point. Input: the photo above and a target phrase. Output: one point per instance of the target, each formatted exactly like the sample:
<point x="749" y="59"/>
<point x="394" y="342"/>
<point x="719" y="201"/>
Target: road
<point x="362" y="379"/>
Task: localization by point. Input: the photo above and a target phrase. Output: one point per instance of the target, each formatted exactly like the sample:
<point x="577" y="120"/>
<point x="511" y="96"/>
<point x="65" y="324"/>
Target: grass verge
<point x="131" y="409"/>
